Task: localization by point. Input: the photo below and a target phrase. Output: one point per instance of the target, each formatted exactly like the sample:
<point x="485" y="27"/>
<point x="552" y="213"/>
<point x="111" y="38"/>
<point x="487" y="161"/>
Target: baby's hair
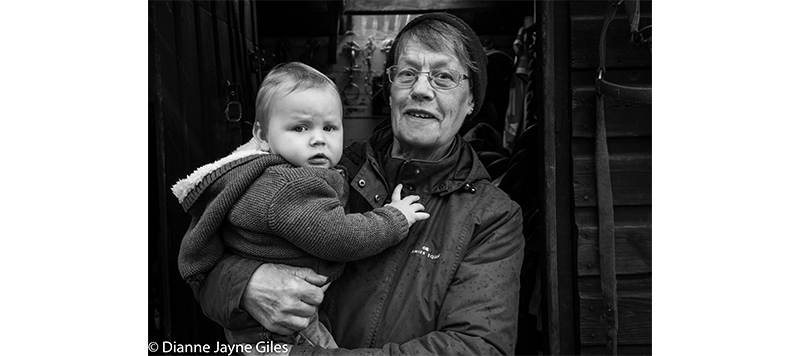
<point x="284" y="79"/>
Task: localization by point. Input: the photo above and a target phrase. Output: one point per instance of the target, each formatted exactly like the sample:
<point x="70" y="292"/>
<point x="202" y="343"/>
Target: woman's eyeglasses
<point x="438" y="78"/>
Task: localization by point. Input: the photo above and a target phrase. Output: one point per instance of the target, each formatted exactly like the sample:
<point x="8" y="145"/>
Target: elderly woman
<point x="452" y="286"/>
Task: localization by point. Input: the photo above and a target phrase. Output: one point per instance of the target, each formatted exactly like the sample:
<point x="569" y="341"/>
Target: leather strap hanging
<point x="619" y="91"/>
<point x="605" y="198"/>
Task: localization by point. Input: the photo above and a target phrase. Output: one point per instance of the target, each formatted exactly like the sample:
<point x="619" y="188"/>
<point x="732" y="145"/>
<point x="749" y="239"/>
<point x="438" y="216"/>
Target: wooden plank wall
<point x="629" y="128"/>
<point x="195" y="49"/>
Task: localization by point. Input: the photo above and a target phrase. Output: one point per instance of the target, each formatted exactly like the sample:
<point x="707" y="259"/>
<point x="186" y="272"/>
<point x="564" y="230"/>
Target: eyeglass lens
<point x="441" y="78"/>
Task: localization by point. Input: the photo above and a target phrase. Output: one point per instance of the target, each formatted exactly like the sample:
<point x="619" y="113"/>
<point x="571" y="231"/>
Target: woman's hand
<point x="283" y="298"/>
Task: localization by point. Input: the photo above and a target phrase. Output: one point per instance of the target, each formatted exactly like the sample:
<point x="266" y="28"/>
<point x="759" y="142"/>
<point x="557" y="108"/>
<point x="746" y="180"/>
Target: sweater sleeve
<point x="306" y="211"/>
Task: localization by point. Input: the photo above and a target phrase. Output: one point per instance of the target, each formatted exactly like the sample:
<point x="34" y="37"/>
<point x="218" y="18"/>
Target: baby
<point x="279" y="199"/>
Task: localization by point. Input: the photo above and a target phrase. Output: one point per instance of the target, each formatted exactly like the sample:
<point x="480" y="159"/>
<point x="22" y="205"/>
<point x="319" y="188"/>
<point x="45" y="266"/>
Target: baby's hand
<point x="412" y="211"/>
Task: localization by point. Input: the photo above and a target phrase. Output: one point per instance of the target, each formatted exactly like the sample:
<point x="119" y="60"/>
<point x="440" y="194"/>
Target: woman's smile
<point x="421" y="114"/>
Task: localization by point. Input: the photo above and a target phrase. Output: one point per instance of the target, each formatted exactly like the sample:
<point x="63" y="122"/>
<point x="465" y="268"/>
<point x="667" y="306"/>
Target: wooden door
<point x="199" y="62"/>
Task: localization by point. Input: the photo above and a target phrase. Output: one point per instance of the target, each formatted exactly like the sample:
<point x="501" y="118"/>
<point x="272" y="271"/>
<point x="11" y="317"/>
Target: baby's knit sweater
<point x="261" y="207"/>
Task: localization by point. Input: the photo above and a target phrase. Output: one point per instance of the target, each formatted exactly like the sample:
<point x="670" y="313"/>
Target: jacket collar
<point x="458" y="170"/>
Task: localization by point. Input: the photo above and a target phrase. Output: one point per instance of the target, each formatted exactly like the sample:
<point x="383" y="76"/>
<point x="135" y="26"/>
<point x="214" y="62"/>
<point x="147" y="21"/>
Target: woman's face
<point x="424" y="119"/>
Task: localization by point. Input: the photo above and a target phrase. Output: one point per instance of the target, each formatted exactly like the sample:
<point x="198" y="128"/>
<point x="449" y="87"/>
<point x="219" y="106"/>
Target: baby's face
<point x="305" y="128"/>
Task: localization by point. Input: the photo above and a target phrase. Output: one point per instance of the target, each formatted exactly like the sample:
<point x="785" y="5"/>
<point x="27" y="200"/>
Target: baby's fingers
<point x="396" y="192"/>
<point x="417" y="207"/>
<point x="411" y="198"/>
<point x="421" y="216"/>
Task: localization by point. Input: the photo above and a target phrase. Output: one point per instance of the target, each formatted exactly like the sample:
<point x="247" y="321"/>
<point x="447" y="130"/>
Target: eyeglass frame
<point x="459" y="78"/>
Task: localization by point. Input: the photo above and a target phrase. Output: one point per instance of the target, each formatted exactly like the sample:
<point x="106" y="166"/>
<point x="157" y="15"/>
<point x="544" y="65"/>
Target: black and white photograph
<point x="502" y="205"/>
<point x="400" y="177"/>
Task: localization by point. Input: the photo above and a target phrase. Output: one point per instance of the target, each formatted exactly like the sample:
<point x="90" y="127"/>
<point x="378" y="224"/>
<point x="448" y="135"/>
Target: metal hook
<point x="354" y="49"/>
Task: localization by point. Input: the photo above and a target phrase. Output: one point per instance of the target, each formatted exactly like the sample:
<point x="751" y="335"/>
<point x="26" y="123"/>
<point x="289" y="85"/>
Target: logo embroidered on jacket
<point x="426" y="251"/>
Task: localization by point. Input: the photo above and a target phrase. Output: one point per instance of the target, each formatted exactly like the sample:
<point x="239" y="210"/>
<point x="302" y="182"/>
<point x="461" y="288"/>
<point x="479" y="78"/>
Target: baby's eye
<point x="298" y="128"/>
<point x="330" y="128"/>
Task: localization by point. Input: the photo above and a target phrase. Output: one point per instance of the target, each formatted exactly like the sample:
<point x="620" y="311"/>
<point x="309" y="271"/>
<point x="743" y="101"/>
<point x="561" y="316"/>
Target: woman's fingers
<point x="281" y="298"/>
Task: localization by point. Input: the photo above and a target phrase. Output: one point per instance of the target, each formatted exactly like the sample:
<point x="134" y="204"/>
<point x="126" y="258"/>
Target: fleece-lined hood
<point x="202" y="176"/>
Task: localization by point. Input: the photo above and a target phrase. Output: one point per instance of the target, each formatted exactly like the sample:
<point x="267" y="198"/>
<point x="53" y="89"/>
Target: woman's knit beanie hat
<point x="474" y="49"/>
